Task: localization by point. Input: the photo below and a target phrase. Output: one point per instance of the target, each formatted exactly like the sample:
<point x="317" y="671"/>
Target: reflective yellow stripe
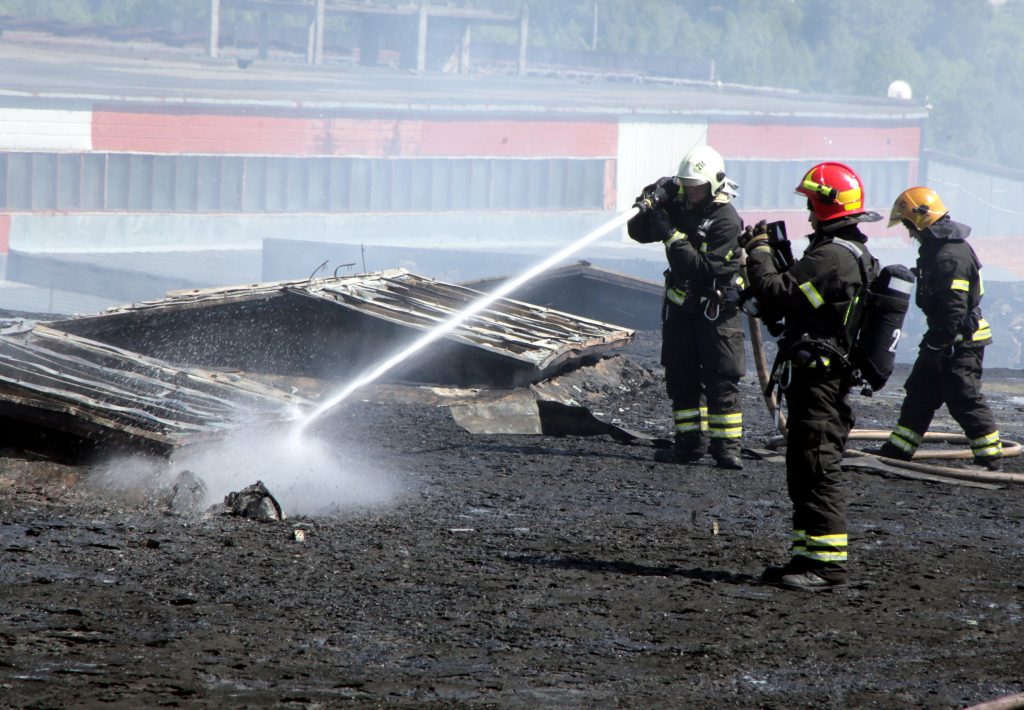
<point x="988" y="451"/>
<point x="729" y="433"/>
<point x="824" y="556"/>
<point x="905" y="439"/>
<point x="909" y="434"/>
<point x="849" y="309"/>
<point x="984" y="331"/>
<point x="901" y="444"/>
<point x="812" y="294"/>
<point x="986" y="446"/>
<point x="834" y="540"/>
<point x="987" y="439"/>
<point x="688" y="419"/>
<point x="732" y="418"/>
<point x="676" y="296"/>
<point x="675" y="236"/>
<point x="827" y="548"/>
<point x="960" y="285"/>
<point x="728" y="256"/>
<point x="798" y="545"/>
<point x="842" y="198"/>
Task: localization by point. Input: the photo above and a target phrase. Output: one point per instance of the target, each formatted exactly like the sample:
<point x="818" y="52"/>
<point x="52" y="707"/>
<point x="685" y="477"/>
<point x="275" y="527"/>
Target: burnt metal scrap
<point x="130" y="374"/>
<point x="521" y="333"/>
<point x="58" y="381"/>
<point x="338" y="327"/>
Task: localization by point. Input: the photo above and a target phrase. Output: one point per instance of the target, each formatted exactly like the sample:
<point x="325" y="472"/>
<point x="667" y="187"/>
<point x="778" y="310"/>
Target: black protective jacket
<point x="706" y="263"/>
<point x="821" y="293"/>
<point x="949" y="287"/>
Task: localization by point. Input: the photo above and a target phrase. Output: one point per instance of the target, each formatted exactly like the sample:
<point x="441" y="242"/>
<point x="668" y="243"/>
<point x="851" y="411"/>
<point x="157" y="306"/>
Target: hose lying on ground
<point x="1010" y="448"/>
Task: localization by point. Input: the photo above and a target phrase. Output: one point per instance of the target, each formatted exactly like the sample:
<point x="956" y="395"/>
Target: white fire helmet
<point x="702" y="165"/>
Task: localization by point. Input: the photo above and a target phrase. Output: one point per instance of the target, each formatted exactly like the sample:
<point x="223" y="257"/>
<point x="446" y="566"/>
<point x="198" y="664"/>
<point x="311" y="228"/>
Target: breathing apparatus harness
<point x="870" y="329"/>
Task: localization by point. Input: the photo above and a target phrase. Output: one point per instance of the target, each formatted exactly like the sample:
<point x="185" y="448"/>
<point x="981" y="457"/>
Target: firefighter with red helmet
<point x="821" y="295"/>
<point x="702" y="334"/>
<point x="949" y="363"/>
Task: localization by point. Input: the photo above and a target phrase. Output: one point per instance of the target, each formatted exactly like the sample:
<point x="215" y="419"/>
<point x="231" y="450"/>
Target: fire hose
<point x="1010" y="448"/>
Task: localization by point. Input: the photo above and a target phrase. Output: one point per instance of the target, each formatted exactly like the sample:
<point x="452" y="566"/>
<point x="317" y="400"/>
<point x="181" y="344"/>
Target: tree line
<point x="962" y="58"/>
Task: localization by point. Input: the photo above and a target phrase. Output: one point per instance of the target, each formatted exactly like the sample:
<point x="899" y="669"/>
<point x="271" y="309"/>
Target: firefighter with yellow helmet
<point x="702" y="334"/>
<point x="949" y="363"/>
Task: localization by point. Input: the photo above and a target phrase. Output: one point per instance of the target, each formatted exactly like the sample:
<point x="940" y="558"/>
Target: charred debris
<point x="198" y="363"/>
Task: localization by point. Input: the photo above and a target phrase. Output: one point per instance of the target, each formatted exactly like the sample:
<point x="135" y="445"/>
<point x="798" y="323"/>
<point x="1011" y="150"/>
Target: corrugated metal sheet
<point x="56" y="380"/>
<point x="521" y="331"/>
<point x="347" y="323"/>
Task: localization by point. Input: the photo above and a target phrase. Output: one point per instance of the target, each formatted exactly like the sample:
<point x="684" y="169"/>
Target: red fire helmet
<point x="833" y="190"/>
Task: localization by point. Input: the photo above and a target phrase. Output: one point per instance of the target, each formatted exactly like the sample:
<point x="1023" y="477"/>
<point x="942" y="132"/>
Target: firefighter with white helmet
<point x="702" y="334"/>
<point x="949" y="363"/>
<point x="821" y="296"/>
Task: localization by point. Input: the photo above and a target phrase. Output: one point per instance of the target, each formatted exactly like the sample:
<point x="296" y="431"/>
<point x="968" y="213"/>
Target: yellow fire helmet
<point x="920" y="206"/>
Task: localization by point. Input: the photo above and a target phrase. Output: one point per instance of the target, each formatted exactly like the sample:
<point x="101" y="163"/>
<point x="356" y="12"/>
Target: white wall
<point x="45" y="129"/>
<point x="648" y="151"/>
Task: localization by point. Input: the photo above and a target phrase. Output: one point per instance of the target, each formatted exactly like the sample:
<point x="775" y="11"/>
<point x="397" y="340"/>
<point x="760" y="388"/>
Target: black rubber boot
<point x="726" y="453"/>
<point x="813" y="581"/>
<point x="892" y="452"/>
<point x="992" y="463"/>
<point x="773" y="574"/>
<point x="731" y="462"/>
<point x="687" y="448"/>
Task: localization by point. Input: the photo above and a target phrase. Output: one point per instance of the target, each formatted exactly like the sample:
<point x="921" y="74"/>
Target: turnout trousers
<point x="956" y="382"/>
<point x="820" y="420"/>
<point x="704" y="358"/>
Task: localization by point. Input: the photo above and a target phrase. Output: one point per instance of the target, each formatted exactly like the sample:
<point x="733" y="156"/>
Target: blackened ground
<point x="517" y="572"/>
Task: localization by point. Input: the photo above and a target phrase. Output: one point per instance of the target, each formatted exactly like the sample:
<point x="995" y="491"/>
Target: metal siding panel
<point x="815" y="143"/>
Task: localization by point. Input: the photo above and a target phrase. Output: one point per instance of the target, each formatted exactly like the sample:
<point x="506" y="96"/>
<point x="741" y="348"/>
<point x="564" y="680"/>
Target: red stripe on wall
<point x="5" y="233"/>
<point x="610" y="185"/>
<point x="815" y="142"/>
<point x="374" y="138"/>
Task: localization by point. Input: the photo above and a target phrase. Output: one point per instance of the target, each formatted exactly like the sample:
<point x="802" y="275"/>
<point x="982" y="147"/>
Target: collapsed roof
<point x="53" y="380"/>
<point x="129" y="376"/>
<point x="338" y="327"/>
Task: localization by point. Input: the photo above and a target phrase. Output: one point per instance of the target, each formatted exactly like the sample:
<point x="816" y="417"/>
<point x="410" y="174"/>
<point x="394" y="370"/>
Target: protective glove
<point x="754" y="236"/>
<point x="646" y="228"/>
<point x="657" y="193"/>
<point x="661" y="227"/>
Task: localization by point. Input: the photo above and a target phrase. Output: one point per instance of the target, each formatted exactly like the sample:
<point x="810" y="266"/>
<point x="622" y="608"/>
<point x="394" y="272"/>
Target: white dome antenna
<point x="900" y="89"/>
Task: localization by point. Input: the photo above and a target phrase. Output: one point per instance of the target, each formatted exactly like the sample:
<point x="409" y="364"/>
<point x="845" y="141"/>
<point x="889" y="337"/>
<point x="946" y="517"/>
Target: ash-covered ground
<point x="512" y="571"/>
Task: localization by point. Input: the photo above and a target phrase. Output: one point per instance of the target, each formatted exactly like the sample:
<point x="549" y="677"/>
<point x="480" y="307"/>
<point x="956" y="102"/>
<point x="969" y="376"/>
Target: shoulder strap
<point x="861" y="256"/>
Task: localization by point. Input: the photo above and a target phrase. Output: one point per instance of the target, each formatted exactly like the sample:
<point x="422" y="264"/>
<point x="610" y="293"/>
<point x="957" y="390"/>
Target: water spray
<point x="457" y="319"/>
